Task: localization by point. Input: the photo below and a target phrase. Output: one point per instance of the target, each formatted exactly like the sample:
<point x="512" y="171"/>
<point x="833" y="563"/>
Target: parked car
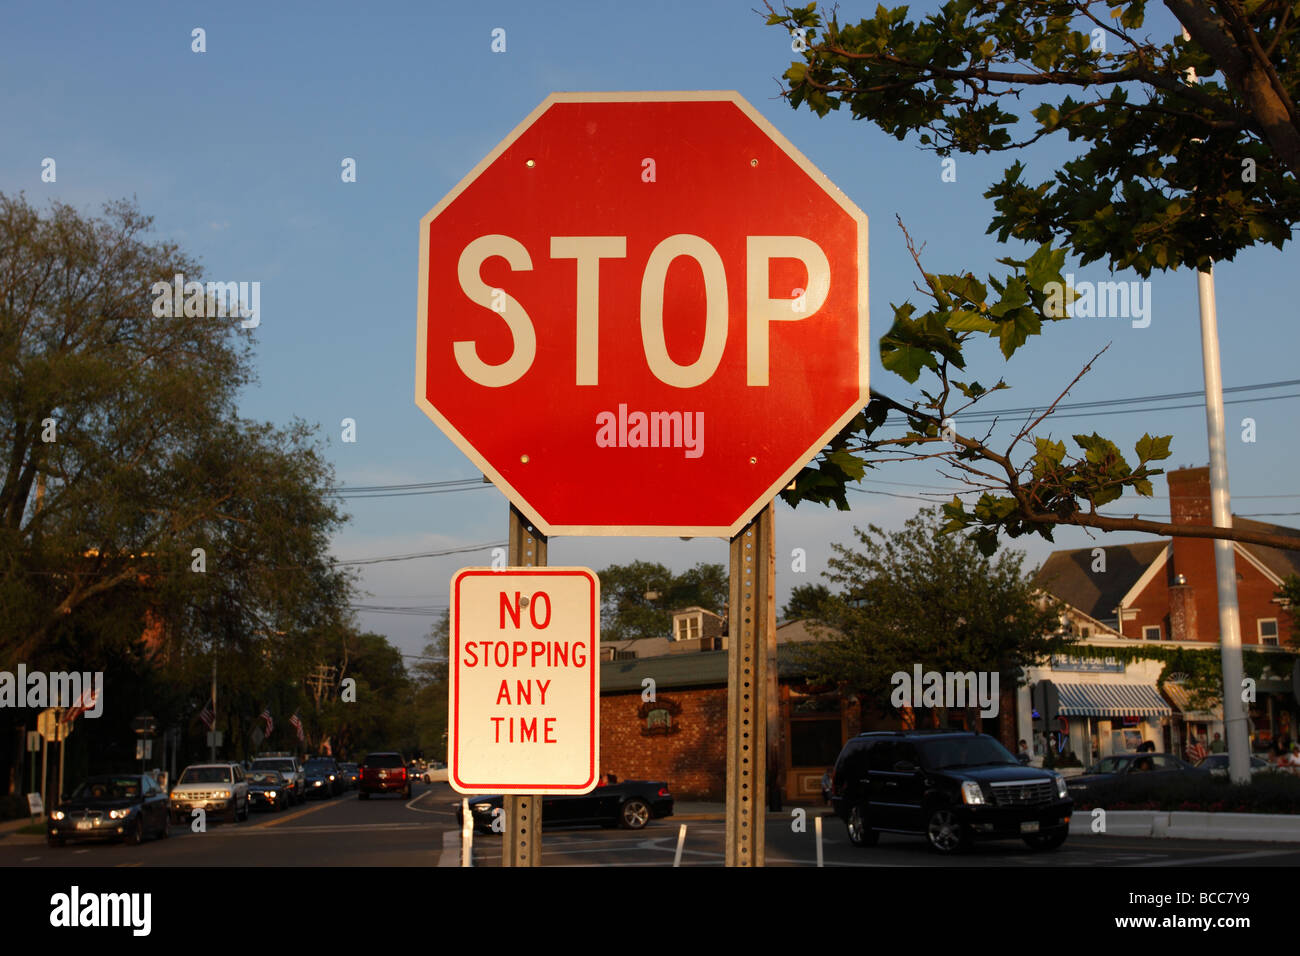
<point x="1117" y="771"/>
<point x="630" y="804"/>
<point x="1217" y="764"/>
<point x="951" y="787"/>
<point x="211" y="787"/>
<point x="121" y="806"/>
<point x="288" y="766"/>
<point x="324" y="778"/>
<point x="351" y="775"/>
<point x="269" y="789"/>
<point x="384" y="772"/>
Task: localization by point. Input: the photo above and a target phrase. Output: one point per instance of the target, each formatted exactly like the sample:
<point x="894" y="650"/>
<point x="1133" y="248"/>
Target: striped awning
<point x="1112" y="700"/>
<point x="1181" y="699"/>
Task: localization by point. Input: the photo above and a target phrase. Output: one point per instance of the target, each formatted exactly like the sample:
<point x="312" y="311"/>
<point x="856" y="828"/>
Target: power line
<point x="983" y="416"/>
<point x="383" y="559"/>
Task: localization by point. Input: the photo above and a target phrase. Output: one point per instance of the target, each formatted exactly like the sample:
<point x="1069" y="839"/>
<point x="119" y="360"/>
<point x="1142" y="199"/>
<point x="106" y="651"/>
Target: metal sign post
<point x="751" y="614"/>
<point x="523" y="836"/>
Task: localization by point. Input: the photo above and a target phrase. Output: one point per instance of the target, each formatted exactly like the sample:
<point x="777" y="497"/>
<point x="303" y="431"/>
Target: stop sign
<point x="643" y="313"/>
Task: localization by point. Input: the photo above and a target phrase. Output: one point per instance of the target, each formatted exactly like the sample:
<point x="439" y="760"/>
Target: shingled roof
<point x="1069" y="576"/>
<point x="1282" y="563"/>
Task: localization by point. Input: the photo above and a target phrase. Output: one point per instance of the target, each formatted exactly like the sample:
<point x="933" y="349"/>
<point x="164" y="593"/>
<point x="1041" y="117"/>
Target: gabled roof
<point x="705" y="669"/>
<point x="1069" y="576"/>
<point x="1281" y="563"/>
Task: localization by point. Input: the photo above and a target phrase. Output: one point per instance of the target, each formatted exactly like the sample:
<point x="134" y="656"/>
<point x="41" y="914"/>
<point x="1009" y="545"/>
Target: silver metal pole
<point x="752" y="570"/>
<point x="523" y="837"/>
<point x="1225" y="563"/>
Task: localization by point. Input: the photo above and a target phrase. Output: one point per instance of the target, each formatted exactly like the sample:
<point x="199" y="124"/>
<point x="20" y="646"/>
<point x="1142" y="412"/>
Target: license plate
<point x="1029" y="826"/>
<point x="85" y="825"/>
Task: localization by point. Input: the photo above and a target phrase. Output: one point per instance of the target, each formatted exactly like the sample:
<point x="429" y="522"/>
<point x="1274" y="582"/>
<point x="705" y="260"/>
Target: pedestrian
<point x="1022" y="753"/>
<point x="1216" y="745"/>
<point x="828" y="779"/>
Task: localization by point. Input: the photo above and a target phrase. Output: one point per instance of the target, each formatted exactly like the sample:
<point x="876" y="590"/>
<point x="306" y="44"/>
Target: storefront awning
<point x="1111" y="700"/>
<point x="1182" y="700"/>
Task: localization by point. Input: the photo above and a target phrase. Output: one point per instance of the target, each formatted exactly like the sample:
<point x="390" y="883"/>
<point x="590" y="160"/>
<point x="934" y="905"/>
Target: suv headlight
<point x="57" y="815"/>
<point x="971" y="793"/>
<point x="1062" y="791"/>
<point x="223" y="794"/>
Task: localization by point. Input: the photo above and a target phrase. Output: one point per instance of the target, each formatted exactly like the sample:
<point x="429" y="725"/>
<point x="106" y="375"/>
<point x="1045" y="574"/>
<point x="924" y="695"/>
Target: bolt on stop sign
<point x="643" y="313"/>
<point x="523" y="694"/>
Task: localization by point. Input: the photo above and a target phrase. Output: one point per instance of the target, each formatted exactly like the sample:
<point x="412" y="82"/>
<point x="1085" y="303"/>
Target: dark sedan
<point x="1113" y="774"/>
<point x="268" y="789"/>
<point x="124" y="806"/>
<point x="324" y="778"/>
<point x="630" y="804"/>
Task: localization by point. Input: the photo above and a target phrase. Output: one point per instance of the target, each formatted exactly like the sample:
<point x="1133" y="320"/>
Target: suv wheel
<point x="860" y="834"/>
<point x="1046" y="841"/>
<point x="244" y="816"/>
<point x="945" y="833"/>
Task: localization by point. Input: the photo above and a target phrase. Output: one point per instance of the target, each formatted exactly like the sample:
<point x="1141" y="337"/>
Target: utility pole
<point x="212" y="734"/>
<point x="1225" y="558"/>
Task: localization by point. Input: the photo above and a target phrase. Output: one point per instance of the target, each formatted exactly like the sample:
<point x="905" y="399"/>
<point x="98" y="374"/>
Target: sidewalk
<point x="708" y="810"/>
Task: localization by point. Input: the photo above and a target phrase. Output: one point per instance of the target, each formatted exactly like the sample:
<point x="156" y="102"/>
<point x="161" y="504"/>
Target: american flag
<point x="84" y="703"/>
<point x="266" y="716"/>
<point x="297" y="724"/>
<point x="208" y="715"/>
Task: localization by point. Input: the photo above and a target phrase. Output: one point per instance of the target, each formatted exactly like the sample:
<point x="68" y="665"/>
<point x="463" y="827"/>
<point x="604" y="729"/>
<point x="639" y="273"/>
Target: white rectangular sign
<point x="524" y="695"/>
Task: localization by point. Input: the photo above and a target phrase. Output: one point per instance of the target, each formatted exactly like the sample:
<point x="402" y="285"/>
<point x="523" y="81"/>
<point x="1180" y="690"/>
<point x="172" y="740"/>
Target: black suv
<point x="953" y="787"/>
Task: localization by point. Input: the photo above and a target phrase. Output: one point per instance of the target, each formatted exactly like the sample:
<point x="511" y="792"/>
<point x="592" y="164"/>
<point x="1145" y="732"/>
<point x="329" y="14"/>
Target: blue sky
<point x="236" y="152"/>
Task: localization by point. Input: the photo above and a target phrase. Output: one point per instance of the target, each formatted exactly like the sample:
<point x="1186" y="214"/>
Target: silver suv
<point x="211" y="787"/>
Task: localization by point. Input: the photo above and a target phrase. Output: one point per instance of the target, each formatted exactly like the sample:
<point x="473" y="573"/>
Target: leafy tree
<point x="805" y="601"/>
<point x="134" y="501"/>
<point x="430" y="676"/>
<point x="627" y="612"/>
<point x="914" y="596"/>
<point x="1172" y="172"/>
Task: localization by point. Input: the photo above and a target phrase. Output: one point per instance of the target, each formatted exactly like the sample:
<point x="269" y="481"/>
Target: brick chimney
<point x="1182" y="611"/>
<point x="1192" y="587"/>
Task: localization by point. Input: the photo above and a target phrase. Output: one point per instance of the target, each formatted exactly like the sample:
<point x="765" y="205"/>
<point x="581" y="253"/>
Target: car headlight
<point x="331" y="776"/>
<point x="1062" y="788"/>
<point x="119" y="814"/>
<point x="57" y="815"/>
<point x="971" y="793"/>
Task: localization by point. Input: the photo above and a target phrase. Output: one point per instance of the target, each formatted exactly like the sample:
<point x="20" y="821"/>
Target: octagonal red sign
<point x="643" y="313"/>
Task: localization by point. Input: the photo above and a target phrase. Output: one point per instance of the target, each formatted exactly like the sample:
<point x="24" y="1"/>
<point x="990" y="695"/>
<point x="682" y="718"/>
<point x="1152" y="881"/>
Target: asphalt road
<point x="390" y="831"/>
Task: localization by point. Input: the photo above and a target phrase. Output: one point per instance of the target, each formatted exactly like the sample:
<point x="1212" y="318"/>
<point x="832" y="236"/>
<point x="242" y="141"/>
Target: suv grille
<point x="1019" y="793"/>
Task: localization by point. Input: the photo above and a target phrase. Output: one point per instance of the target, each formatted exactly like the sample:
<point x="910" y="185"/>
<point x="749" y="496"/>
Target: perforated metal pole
<point x="750" y="615"/>
<point x="523" y="836"/>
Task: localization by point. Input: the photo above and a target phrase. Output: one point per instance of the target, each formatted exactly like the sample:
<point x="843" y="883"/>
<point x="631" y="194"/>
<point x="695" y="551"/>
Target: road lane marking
<point x="293" y="815"/>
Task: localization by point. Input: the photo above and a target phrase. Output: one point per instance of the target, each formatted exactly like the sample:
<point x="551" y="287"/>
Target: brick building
<point x="1163" y="593"/>
<point x="680" y="736"/>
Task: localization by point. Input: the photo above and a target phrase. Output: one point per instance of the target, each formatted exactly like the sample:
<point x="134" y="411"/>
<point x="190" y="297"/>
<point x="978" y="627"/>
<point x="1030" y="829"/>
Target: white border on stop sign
<point x="645" y="96"/>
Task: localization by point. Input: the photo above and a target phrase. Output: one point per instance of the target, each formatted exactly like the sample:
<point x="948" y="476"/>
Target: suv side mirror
<point x="905" y="766"/>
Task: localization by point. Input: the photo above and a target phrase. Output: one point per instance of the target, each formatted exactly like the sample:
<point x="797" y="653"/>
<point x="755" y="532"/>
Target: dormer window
<point x="688" y="627"/>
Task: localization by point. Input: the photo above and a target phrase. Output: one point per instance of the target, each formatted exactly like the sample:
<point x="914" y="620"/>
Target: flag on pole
<point x="208" y="715"/>
<point x="296" y="721"/>
<point x="266" y="717"/>
<point x="84" y="703"/>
